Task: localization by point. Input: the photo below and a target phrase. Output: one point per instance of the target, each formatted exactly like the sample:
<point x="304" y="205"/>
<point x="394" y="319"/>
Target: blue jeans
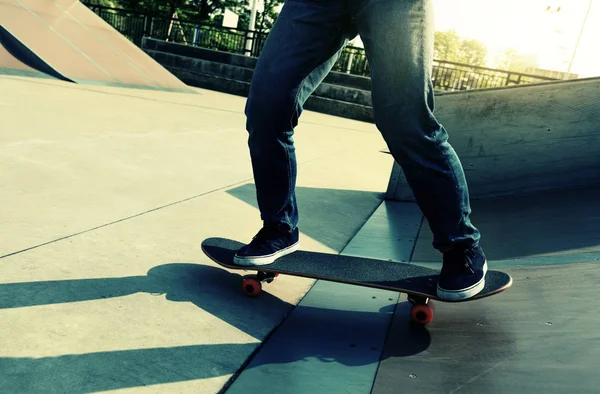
<point x="301" y="49"/>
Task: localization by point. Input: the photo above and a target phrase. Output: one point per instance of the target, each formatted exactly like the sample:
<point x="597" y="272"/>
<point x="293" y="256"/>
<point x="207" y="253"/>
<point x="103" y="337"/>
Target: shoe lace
<point x="469" y="254"/>
<point x="263" y="236"/>
<point x="463" y="257"/>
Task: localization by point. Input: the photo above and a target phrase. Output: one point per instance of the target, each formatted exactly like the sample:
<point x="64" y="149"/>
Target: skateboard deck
<point x="419" y="283"/>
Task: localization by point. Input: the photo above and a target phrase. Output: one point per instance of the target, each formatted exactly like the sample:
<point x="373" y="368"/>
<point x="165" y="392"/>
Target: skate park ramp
<point x="520" y="139"/>
<point x="104" y="287"/>
<point x="17" y="59"/>
<point x="63" y="39"/>
<point x="530" y="154"/>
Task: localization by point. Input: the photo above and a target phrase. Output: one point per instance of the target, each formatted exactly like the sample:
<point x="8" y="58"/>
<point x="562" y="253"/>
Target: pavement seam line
<point x="145" y="212"/>
<point x="124" y="219"/>
<point x="261" y="345"/>
<point x="141" y="213"/>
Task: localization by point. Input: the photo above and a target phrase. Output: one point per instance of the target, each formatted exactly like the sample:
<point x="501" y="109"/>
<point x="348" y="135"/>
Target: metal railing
<point x="353" y="61"/>
<point x="450" y="76"/>
<point x="447" y="76"/>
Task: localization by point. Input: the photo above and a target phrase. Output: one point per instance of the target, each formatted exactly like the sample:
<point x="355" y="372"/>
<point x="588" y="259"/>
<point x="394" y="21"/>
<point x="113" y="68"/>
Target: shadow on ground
<point x="552" y="227"/>
<point x="330" y="216"/>
<point x="543" y="223"/>
<point x="211" y="289"/>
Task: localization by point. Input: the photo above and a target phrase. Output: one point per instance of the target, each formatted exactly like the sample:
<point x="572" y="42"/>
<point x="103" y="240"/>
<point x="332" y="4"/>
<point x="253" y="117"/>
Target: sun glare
<point x="546" y="30"/>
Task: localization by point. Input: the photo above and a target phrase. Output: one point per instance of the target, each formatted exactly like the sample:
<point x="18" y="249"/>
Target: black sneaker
<point x="269" y="244"/>
<point x="463" y="274"/>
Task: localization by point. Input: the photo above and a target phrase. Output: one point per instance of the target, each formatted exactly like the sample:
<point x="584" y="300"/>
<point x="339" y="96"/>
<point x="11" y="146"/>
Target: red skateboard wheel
<point x="421" y="314"/>
<point x="251" y="287"/>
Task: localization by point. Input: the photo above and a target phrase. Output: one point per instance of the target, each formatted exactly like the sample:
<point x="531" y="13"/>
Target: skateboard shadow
<point x="347" y="338"/>
<point x="211" y="289"/>
<point x="405" y="339"/>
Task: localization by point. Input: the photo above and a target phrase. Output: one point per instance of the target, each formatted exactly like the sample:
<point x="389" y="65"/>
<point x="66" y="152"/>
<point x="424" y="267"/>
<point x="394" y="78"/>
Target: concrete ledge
<point x="241" y="88"/>
<point x="211" y="82"/>
<point x="520" y="139"/>
<point x="343" y="95"/>
<point x="349" y="80"/>
<point x="339" y="108"/>
<point x="151" y="45"/>
<point x="241" y="74"/>
<point x="202" y="66"/>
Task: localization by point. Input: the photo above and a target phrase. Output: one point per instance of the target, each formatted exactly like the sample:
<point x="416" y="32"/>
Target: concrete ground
<point x="107" y="195"/>
<point x="103" y="285"/>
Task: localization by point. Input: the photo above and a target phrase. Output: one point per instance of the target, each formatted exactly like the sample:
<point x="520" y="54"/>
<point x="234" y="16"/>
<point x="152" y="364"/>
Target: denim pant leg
<point x="398" y="39"/>
<point x="300" y="50"/>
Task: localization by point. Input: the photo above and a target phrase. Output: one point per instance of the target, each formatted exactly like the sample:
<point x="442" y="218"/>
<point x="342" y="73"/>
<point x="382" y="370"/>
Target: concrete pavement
<point x="103" y="287"/>
<point x="108" y="194"/>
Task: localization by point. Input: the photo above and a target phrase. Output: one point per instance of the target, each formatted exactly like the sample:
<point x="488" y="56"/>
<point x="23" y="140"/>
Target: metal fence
<point x="452" y="76"/>
<point x="447" y="76"/>
<point x="136" y="25"/>
<point x="353" y="61"/>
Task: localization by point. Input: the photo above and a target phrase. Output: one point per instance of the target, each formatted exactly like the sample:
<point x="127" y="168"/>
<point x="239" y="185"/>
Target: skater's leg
<point x="398" y="38"/>
<point x="301" y="49"/>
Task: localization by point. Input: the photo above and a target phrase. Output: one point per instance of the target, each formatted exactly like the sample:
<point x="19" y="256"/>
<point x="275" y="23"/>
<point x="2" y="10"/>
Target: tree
<point x="472" y="52"/>
<point x="196" y="11"/>
<point x="168" y="7"/>
<point x="446" y="45"/>
<point x="206" y="10"/>
<point x="450" y="47"/>
<point x="264" y="20"/>
<point x="512" y="60"/>
<point x="268" y="17"/>
<point x="107" y="3"/>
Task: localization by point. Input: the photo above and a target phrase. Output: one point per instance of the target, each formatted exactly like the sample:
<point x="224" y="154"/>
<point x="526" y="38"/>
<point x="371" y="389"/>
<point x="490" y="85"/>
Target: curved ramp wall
<point x="520" y="139"/>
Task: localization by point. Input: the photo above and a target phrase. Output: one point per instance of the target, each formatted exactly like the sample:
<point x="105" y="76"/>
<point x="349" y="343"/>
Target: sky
<point x="526" y="26"/>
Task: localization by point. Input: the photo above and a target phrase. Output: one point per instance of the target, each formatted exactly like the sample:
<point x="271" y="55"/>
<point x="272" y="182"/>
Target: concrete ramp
<point x="16" y="58"/>
<point x="520" y="139"/>
<point x="71" y="41"/>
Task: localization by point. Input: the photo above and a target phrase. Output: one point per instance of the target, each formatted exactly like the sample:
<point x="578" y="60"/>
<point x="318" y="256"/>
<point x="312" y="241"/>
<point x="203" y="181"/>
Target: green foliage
<point x="267" y="18"/>
<point x="473" y="52"/>
<point x="446" y="45"/>
<point x="155" y="6"/>
<point x="107" y="3"/>
<point x="264" y="20"/>
<point x="207" y="11"/>
<point x="512" y="60"/>
<point x="450" y="47"/>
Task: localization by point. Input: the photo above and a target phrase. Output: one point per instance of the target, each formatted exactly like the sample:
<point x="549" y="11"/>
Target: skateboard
<point x="417" y="282"/>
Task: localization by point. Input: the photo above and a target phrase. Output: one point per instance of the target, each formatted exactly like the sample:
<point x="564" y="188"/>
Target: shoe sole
<point x="265" y="260"/>
<point x="463" y="294"/>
